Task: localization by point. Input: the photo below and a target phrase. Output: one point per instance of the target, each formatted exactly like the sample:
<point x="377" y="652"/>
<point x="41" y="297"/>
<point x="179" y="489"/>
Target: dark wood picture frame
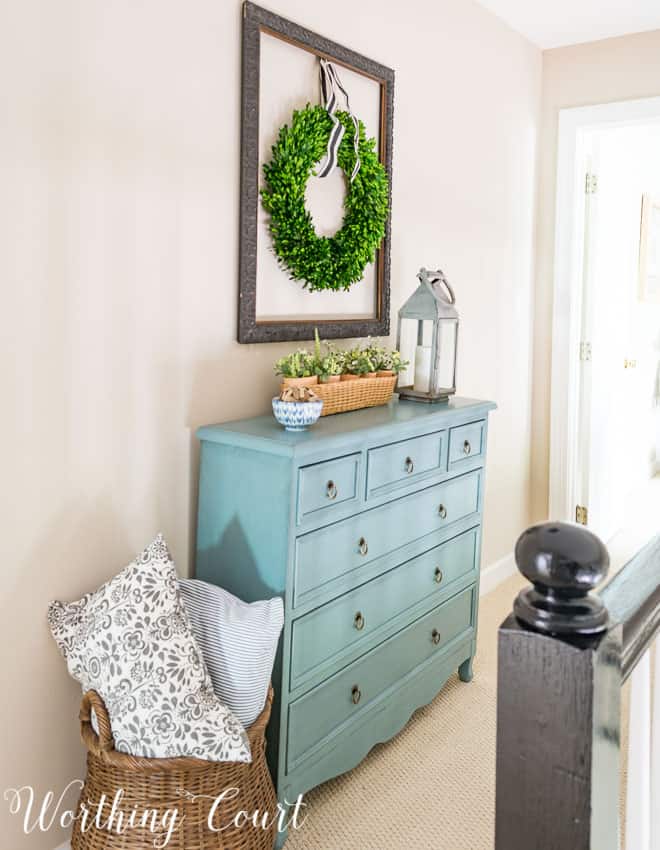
<point x="255" y="21"/>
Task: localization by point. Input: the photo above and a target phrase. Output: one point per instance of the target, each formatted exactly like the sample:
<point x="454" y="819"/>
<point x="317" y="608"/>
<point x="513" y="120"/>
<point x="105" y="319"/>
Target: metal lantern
<point x="427" y="337"/>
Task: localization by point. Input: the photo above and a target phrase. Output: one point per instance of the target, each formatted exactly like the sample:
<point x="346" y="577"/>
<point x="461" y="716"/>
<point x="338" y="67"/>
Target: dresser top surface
<point x="266" y="434"/>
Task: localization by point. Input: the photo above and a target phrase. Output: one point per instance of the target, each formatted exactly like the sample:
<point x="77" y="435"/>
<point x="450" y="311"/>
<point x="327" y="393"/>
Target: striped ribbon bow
<point x="329" y="82"/>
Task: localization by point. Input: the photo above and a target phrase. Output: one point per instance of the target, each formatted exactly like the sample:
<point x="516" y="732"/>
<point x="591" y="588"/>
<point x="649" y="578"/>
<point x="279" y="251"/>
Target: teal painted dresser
<point x="369" y="526"/>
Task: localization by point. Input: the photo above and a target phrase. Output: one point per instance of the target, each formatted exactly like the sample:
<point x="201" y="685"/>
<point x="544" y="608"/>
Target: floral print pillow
<point x="131" y="641"/>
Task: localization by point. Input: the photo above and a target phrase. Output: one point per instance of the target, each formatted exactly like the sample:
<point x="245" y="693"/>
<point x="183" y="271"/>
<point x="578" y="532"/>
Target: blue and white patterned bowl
<point x="297" y="415"/>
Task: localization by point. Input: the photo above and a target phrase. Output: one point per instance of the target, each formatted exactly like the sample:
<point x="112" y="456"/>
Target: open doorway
<point x="605" y="439"/>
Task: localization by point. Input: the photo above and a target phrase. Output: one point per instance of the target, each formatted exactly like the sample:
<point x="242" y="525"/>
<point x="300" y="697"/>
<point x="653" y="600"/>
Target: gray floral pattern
<point x="131" y="641"/>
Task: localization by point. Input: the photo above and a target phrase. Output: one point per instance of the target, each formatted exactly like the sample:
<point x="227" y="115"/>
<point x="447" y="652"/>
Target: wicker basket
<point x="158" y="783"/>
<point x="352" y="395"/>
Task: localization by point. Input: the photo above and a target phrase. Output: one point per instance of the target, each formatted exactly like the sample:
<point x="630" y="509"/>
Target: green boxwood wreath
<point x="323" y="262"/>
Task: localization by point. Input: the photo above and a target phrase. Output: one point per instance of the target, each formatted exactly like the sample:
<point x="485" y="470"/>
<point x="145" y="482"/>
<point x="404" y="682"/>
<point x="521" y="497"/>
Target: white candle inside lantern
<point x="422" y="382"/>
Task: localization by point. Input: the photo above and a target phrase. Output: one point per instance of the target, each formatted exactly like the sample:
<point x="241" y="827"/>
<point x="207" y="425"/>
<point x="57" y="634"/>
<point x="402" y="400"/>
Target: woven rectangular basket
<point x="352" y="395"/>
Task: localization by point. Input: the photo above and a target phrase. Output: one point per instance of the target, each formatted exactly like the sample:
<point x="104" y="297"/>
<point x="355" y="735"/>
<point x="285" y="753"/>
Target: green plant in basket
<point x="331" y="365"/>
<point x="377" y="355"/>
<point x="359" y="362"/>
<point x="299" y="364"/>
<point x="393" y="362"/>
<point x="328" y="364"/>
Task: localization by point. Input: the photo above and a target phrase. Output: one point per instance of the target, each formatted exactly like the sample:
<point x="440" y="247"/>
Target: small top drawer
<point x="324" y="485"/>
<point x="405" y="461"/>
<point x="466" y="441"/>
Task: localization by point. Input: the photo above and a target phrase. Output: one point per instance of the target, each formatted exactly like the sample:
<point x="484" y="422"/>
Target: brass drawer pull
<point x="467" y="448"/>
<point x="438" y="575"/>
<point x="359" y="621"/>
<point x="435" y="636"/>
<point x="356" y="695"/>
<point x="363" y="547"/>
<point x="410" y="466"/>
<point x="442" y="510"/>
<point x="331" y="490"/>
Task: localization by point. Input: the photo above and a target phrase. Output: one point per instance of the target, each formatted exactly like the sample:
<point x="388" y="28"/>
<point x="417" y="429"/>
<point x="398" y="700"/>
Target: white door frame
<point x="567" y="286"/>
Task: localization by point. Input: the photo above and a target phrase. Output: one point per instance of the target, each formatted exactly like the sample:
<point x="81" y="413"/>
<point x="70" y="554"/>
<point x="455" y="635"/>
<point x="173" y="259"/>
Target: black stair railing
<point x="563" y="655"/>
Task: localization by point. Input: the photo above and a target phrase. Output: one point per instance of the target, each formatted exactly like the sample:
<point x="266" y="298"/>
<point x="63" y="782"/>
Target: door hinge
<point x="590" y="183"/>
<point x="585" y="351"/>
<point x="581" y="514"/>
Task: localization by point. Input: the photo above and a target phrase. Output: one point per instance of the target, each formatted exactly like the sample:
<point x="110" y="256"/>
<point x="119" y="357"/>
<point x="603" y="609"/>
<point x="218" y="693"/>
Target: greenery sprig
<point x="322" y="262"/>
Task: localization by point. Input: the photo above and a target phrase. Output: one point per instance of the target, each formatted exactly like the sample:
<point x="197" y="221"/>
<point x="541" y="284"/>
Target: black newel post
<point x="559" y="679"/>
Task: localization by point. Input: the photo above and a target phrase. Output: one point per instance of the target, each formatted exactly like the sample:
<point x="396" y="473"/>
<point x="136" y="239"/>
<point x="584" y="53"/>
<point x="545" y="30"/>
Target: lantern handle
<point x="429" y="278"/>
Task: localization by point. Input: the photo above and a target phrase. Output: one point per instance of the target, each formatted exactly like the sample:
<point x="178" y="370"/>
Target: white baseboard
<point x="495" y="574"/>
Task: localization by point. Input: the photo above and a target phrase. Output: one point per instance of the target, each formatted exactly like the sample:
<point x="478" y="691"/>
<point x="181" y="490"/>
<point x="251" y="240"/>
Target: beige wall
<point x="119" y="135"/>
<point x="599" y="72"/>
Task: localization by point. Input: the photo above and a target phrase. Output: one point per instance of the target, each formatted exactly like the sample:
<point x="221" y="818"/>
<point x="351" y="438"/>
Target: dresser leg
<point x="283" y="824"/>
<point x="465" y="672"/>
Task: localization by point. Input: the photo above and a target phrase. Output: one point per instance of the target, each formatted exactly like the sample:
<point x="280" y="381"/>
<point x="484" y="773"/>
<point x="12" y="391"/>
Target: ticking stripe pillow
<point x="238" y="641"/>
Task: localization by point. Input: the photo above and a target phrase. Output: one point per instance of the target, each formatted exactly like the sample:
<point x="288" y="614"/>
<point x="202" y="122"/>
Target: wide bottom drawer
<point x="380" y="722"/>
<point x="315" y="716"/>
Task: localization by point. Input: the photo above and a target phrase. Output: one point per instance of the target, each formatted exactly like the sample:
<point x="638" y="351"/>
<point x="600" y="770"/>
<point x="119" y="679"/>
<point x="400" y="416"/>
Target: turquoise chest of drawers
<point x="369" y="527"/>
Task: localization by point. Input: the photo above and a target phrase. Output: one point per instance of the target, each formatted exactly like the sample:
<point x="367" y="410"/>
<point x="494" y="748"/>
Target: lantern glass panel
<point x="446" y="356"/>
<point x="414" y="333"/>
<point x="406" y="341"/>
<point x="423" y="357"/>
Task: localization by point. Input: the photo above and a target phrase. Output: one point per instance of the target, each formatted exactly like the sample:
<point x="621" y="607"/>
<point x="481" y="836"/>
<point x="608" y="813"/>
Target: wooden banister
<point x="563" y="654"/>
<point x="632" y="598"/>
